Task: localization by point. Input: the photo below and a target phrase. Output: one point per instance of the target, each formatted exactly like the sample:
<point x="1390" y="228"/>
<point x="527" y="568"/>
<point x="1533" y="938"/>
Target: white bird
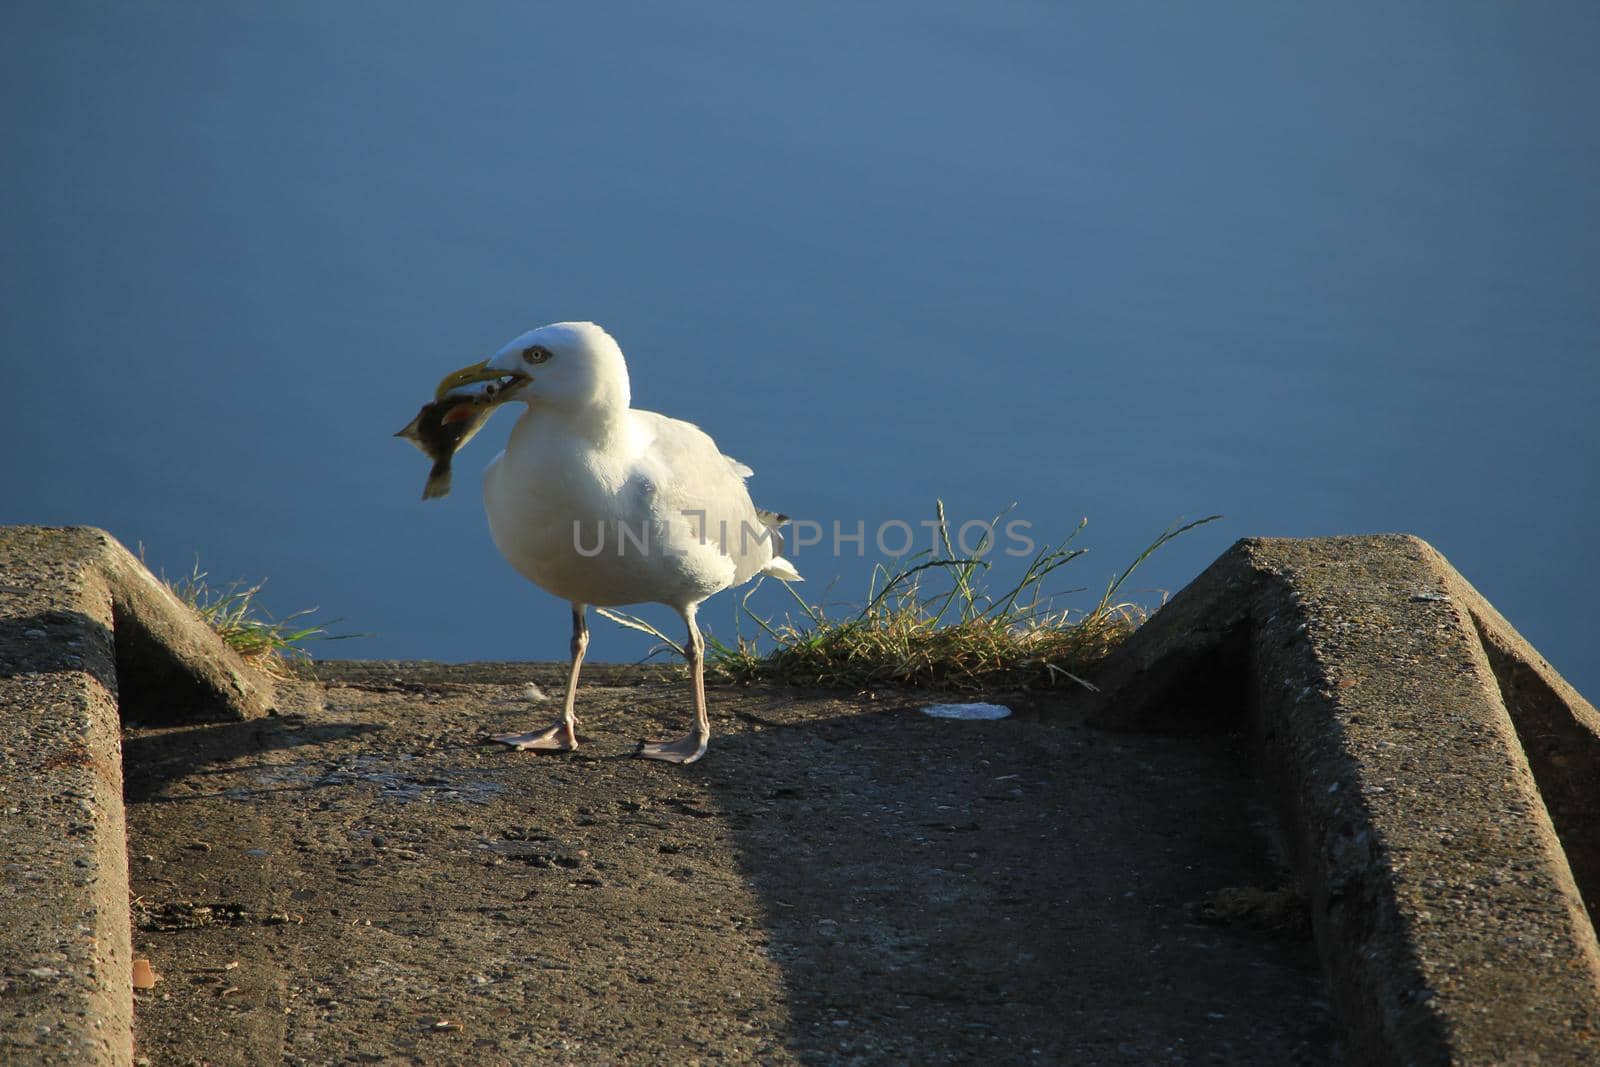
<point x="600" y="503"/>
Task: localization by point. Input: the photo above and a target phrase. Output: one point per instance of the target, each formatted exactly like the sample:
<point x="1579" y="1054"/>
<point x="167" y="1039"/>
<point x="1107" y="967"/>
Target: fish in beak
<point x="446" y="423"/>
<point x="440" y="430"/>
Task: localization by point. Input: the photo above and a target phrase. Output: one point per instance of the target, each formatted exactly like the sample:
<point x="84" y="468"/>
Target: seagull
<point x="603" y="504"/>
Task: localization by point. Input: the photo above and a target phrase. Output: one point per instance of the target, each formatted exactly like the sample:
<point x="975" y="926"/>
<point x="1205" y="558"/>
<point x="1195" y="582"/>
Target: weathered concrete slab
<point x="841" y="881"/>
<point x="1409" y="732"/>
<point x="82" y="623"/>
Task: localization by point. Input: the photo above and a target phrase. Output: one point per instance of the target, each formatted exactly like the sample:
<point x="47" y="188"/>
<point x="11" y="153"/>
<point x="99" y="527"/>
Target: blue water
<point x="1324" y="272"/>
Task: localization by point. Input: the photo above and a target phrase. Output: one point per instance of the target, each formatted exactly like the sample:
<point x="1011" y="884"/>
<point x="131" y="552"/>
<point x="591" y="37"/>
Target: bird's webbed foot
<point x="685" y="749"/>
<point x="560" y="737"/>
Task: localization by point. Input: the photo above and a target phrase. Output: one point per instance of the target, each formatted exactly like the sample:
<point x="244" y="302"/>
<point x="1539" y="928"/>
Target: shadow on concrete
<point x="50" y="642"/>
<point x="150" y="686"/>
<point x="153" y="760"/>
<point x="1028" y="890"/>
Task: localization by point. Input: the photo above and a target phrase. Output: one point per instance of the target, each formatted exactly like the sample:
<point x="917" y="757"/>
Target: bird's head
<point x="574" y="366"/>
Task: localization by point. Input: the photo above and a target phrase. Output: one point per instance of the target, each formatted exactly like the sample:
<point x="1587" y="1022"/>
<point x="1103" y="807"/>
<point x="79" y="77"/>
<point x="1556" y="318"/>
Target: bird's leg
<point x="563" y="735"/>
<point x="692" y="746"/>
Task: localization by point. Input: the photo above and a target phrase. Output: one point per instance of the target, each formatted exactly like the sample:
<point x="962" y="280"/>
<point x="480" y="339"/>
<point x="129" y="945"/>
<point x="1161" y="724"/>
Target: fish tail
<point x="438" y="483"/>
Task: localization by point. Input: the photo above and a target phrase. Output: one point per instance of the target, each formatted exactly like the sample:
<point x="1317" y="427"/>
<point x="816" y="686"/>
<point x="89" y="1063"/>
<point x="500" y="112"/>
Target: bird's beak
<point x="477" y="372"/>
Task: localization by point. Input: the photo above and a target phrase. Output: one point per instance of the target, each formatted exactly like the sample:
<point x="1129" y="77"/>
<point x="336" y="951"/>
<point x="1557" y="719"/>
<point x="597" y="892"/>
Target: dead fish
<point x="441" y="428"/>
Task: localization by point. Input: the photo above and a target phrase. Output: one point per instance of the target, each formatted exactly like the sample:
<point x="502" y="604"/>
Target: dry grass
<point x="263" y="642"/>
<point x="929" y="622"/>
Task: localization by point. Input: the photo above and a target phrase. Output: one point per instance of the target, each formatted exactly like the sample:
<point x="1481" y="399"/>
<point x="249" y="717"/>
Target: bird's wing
<point x="690" y="478"/>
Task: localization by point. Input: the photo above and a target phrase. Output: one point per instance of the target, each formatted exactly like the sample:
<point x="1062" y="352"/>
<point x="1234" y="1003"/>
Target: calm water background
<point x="1325" y="272"/>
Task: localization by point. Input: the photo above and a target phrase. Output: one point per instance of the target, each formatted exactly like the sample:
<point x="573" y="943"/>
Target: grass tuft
<point x="931" y="622"/>
<point x="265" y="643"/>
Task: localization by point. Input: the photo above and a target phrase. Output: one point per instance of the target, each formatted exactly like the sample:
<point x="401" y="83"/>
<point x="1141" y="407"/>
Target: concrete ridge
<point x="83" y="626"/>
<point x="1392" y="705"/>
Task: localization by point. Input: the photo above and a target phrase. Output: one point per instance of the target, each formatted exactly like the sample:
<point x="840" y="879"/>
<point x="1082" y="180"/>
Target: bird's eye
<point x="535" y="354"/>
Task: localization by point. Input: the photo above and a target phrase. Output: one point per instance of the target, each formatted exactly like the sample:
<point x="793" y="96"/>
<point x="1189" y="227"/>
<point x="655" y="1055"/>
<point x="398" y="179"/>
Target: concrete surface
<point x="840" y="881"/>
<point x="1428" y="779"/>
<point x="81" y="619"/>
<point x="1439" y="883"/>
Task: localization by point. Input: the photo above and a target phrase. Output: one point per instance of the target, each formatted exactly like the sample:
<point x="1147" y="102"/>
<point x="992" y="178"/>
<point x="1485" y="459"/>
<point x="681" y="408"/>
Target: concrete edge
<point x="1444" y="906"/>
<point x="550" y="677"/>
<point x="1559" y="731"/>
<point x="85" y="631"/>
<point x="64" y="933"/>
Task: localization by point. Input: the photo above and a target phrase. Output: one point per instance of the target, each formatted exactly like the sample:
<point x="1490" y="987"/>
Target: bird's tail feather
<point x="782" y="570"/>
